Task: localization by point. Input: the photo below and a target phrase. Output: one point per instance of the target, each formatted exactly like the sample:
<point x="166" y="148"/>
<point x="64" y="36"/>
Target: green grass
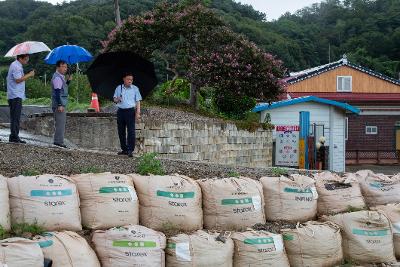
<point x="30" y="172"/>
<point x="233" y="174"/>
<point x="25" y="230"/>
<point x="3" y="233"/>
<point x="277" y="171"/>
<point x="354" y="209"/>
<point x="90" y="169"/>
<point x="45" y="101"/>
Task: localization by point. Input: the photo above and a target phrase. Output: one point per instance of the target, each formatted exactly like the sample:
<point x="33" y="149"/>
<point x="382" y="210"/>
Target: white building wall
<point x="331" y="117"/>
<point x="338" y="145"/>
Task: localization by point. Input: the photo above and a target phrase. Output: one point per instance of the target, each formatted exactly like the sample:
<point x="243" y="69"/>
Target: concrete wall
<point x="27" y="110"/>
<point x="199" y="141"/>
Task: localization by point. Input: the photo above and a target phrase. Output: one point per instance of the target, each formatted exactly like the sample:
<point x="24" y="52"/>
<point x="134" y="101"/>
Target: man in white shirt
<point x="127" y="97"/>
<point x="16" y="93"/>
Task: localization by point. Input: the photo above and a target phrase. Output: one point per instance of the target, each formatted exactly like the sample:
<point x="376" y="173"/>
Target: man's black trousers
<point x="15" y="105"/>
<point x="126" y="124"/>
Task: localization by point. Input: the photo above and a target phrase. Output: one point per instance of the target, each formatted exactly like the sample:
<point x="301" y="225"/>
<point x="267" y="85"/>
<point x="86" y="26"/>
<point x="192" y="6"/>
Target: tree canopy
<point x="197" y="45"/>
<point x="367" y="31"/>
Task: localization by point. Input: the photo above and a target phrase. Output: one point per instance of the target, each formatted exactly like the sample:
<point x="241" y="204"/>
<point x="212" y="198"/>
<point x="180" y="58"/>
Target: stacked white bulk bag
<point x="314" y="244"/>
<point x="259" y="248"/>
<point x="379" y="189"/>
<point x="367" y="236"/>
<point x="392" y="211"/>
<point x="337" y="194"/>
<point x="107" y="200"/>
<point x="4" y="205"/>
<point x="200" y="249"/>
<point x="67" y="249"/>
<point x="132" y="245"/>
<point x="169" y="201"/>
<point x="291" y="198"/>
<point x="232" y="203"/>
<point x="51" y="201"/>
<point x="20" y="252"/>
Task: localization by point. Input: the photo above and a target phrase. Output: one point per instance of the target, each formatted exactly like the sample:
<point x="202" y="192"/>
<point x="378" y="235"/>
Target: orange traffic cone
<point x="95" y="103"/>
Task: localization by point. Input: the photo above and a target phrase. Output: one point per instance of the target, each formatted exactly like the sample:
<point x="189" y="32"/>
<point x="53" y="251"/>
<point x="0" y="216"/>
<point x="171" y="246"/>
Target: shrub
<point x="149" y="164"/>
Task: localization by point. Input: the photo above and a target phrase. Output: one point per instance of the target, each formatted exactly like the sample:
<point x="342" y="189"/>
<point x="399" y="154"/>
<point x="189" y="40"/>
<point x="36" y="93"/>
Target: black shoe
<point x="60" y="145"/>
<point x="130" y="154"/>
<point x="18" y="141"/>
<point x="122" y="152"/>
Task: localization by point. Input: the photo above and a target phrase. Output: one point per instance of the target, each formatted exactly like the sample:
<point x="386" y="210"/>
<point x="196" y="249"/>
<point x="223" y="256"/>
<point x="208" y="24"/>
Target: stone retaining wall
<point x="219" y="143"/>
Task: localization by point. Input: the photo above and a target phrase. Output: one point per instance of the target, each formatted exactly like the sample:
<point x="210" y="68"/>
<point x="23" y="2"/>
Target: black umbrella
<point x="105" y="73"/>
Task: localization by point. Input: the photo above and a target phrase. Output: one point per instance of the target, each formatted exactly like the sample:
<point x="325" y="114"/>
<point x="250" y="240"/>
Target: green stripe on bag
<point x="259" y="241"/>
<point x="237" y="201"/>
<point x="175" y="194"/>
<point x="134" y="244"/>
<point x="115" y="189"/>
<point x="297" y="190"/>
<point x="370" y="232"/>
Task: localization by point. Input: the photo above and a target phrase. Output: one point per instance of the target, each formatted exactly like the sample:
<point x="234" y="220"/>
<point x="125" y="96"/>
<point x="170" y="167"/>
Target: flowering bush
<point x="194" y="43"/>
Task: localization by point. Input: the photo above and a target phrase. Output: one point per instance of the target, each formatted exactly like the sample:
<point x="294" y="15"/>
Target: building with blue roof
<point x="327" y="119"/>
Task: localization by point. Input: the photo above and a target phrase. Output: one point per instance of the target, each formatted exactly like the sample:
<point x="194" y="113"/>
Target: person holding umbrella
<point x="61" y="56"/>
<point x="127" y="98"/>
<point x="16" y="82"/>
<point x="59" y="101"/>
<point x="16" y="93"/>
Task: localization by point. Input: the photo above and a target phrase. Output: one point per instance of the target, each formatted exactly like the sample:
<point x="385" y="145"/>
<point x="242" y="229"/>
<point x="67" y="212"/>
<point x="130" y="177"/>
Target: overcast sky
<point x="273" y="8"/>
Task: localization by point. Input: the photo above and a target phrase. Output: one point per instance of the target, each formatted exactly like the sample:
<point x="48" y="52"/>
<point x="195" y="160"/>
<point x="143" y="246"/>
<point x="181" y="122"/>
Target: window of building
<point x="371" y="129"/>
<point x="346" y="128"/>
<point x="344" y="84"/>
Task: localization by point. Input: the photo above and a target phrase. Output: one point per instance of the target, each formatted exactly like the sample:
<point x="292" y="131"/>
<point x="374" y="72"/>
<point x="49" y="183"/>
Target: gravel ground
<point x="167" y="114"/>
<point x="18" y="159"/>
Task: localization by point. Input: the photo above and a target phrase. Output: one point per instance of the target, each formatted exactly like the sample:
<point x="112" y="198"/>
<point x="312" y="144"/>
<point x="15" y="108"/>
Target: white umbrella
<point x="29" y="47"/>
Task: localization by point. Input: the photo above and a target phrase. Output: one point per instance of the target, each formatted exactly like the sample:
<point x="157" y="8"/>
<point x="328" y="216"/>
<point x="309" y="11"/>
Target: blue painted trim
<point x="304" y="133"/>
<point x="288" y="102"/>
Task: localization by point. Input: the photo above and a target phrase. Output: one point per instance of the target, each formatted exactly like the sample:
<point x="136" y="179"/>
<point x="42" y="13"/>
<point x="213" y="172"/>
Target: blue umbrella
<point x="69" y="53"/>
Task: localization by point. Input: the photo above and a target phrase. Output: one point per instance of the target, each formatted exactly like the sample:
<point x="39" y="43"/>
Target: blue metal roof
<point x="288" y="102"/>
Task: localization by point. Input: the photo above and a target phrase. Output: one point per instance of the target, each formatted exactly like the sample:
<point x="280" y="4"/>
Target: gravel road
<point x="18" y="159"/>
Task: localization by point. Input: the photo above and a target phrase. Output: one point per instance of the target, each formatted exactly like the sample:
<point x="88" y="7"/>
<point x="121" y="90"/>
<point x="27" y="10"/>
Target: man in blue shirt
<point x="16" y="93"/>
<point x="127" y="97"/>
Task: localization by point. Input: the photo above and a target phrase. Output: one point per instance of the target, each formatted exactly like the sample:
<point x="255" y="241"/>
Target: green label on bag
<point x="171" y="245"/>
<point x="237" y="201"/>
<point x="297" y="190"/>
<point x="45" y="244"/>
<point x="175" y="194"/>
<point x="370" y="232"/>
<point x="134" y="244"/>
<point x="376" y="184"/>
<point x="258" y="241"/>
<point x="51" y="193"/>
<point x="115" y="189"/>
<point x="288" y="237"/>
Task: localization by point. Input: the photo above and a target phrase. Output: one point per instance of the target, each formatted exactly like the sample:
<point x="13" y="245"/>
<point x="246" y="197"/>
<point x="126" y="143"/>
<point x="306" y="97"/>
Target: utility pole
<point x="117" y="13"/>
<point x="329" y="52"/>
